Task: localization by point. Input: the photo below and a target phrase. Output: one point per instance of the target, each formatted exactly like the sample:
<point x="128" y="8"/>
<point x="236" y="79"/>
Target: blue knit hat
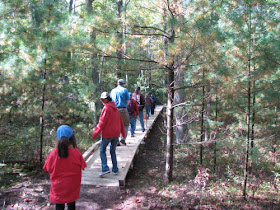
<point x="64" y="130"/>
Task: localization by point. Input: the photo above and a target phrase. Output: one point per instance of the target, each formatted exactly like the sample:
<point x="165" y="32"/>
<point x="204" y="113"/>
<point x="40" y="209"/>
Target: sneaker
<point x="123" y="142"/>
<point x="115" y="173"/>
<point x="132" y="135"/>
<point x="103" y="173"/>
<point x="143" y="130"/>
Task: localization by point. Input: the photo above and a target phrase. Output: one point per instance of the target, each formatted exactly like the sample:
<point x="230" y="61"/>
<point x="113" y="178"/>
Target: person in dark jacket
<point x="154" y="102"/>
<point x="111" y="126"/>
<point x="148" y="104"/>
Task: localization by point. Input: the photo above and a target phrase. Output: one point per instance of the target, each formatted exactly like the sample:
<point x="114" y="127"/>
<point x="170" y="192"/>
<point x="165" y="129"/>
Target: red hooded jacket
<point x="110" y="122"/>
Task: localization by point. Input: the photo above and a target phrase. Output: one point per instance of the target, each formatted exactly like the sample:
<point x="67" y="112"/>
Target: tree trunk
<point x="202" y="123"/>
<point x="216" y="121"/>
<point x="42" y="125"/>
<point x="253" y="111"/>
<point x="179" y="112"/>
<point x="71" y="5"/>
<point x="253" y="115"/>
<point x="169" y="139"/>
<point x="124" y="37"/>
<point x="150" y="72"/>
<point x="207" y="112"/>
<point x="93" y="64"/>
<point x="120" y="41"/>
<point x="248" y="111"/>
<point x="89" y="7"/>
<point x="93" y="56"/>
<point x="169" y="111"/>
<point x="164" y="72"/>
<point x="42" y="112"/>
<point x="274" y="145"/>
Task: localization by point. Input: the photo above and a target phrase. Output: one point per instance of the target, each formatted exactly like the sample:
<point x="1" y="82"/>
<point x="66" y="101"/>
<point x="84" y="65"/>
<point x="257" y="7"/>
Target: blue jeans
<point x="132" y="124"/>
<point x="103" y="145"/>
<point x="148" y="109"/>
<point x="141" y="120"/>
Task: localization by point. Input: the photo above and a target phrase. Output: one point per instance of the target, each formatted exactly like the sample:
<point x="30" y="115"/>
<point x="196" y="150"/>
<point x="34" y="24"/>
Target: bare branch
<point x="274" y="61"/>
<point x="134" y="34"/>
<point x="6" y="134"/>
<point x="211" y="141"/>
<point x="127" y="58"/>
<point x="143" y="69"/>
<point x="180" y="104"/>
<point x="150" y="27"/>
<point x="126" y="3"/>
<point x="169" y="9"/>
<point x="142" y="34"/>
<point x="193" y="86"/>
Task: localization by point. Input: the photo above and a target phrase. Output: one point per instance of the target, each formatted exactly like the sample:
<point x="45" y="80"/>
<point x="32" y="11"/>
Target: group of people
<point x="130" y="106"/>
<point x="65" y="162"/>
<point x="121" y="109"/>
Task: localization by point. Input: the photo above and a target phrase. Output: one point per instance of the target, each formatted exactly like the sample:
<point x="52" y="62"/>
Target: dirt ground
<point x="145" y="187"/>
<point x="32" y="192"/>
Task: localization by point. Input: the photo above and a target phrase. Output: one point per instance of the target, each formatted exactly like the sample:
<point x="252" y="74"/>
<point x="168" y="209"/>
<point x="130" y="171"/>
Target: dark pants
<point x="70" y="206"/>
<point x="153" y="109"/>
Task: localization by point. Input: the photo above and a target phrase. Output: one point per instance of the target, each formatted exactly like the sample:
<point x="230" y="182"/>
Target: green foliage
<point x="48" y="57"/>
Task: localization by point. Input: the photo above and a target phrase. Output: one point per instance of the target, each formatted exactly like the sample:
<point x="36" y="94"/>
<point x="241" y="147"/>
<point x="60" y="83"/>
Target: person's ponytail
<point x="72" y="141"/>
<point x="62" y="146"/>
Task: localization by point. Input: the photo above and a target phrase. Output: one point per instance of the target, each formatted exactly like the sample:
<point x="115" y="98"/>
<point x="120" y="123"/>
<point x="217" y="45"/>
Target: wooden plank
<point x="125" y="157"/>
<point x="123" y="176"/>
<point x="91" y="150"/>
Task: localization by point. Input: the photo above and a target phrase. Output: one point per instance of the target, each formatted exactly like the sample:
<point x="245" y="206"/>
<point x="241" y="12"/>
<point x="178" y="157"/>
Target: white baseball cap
<point x="104" y="95"/>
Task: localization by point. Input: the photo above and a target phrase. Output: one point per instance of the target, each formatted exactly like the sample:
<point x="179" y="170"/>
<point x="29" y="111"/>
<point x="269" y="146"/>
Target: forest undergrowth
<point x="193" y="186"/>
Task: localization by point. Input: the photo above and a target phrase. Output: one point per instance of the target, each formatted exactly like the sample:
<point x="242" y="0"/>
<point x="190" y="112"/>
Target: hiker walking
<point x="133" y="112"/>
<point x="120" y="96"/>
<point x="154" y="103"/>
<point x="139" y="98"/>
<point x="148" y="104"/>
<point x="111" y="126"/>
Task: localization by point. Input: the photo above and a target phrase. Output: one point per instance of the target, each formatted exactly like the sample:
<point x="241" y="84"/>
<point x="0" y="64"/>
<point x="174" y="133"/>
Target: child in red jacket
<point x="65" y="164"/>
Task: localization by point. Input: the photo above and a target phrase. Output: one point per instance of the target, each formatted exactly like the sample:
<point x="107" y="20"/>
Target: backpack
<point x="130" y="108"/>
<point x="139" y="98"/>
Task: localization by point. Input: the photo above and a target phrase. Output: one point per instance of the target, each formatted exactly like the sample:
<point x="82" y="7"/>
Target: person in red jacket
<point x="111" y="126"/>
<point x="133" y="112"/>
<point x="65" y="164"/>
<point x="139" y="98"/>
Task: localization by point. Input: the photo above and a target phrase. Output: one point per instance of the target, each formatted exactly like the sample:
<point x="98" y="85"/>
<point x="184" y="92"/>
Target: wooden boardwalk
<point x="125" y="156"/>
